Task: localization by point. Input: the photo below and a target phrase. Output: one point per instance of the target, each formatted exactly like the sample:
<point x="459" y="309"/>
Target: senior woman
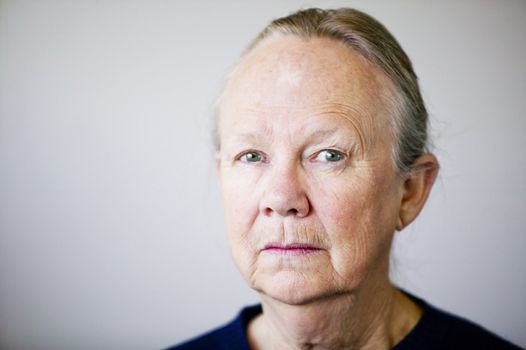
<point x="322" y="156"/>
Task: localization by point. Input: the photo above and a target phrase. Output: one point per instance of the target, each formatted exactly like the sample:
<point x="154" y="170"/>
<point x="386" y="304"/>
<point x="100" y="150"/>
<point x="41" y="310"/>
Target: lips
<point x="292" y="249"/>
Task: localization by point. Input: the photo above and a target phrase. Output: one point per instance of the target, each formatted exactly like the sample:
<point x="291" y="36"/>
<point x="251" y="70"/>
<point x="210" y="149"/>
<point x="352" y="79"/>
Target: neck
<point x="372" y="318"/>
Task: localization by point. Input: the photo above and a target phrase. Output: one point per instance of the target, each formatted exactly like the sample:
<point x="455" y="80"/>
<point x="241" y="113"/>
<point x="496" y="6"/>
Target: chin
<point x="294" y="288"/>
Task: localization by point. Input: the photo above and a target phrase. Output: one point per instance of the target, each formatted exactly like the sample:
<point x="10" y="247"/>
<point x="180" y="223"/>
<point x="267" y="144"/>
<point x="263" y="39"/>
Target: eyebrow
<point x="323" y="133"/>
<point x="257" y="137"/>
<point x="254" y="137"/>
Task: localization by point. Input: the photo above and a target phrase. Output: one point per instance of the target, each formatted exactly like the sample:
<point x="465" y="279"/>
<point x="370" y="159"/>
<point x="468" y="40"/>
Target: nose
<point x="284" y="194"/>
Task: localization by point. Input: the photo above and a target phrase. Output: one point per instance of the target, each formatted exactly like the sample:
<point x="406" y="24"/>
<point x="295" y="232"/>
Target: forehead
<point x="286" y="75"/>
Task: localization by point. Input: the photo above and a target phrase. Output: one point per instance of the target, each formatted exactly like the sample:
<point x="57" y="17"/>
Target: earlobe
<point x="417" y="187"/>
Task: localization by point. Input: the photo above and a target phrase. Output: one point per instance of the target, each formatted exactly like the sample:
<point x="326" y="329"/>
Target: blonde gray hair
<point x="369" y="38"/>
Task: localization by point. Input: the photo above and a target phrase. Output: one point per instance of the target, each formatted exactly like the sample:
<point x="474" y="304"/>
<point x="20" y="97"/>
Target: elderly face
<point x="310" y="193"/>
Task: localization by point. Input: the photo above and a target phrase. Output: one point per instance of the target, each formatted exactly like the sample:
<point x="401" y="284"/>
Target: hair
<point x="369" y="38"/>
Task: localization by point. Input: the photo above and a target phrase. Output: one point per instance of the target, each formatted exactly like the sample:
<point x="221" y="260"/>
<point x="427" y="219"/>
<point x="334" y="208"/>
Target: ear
<point x="417" y="186"/>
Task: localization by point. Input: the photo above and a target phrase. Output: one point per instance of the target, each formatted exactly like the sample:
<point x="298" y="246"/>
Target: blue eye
<point x="329" y="155"/>
<point x="251" y="157"/>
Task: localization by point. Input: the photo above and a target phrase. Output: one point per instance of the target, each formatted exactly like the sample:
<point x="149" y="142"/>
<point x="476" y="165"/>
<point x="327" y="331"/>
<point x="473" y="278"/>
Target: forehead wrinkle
<point x="359" y="122"/>
<point x="355" y="93"/>
<point x="261" y="131"/>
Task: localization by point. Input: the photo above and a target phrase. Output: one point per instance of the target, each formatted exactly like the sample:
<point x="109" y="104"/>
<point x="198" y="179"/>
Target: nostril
<point x="293" y="211"/>
<point x="285" y="203"/>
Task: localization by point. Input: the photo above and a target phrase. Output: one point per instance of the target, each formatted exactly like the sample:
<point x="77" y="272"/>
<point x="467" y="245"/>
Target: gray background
<point x="111" y="229"/>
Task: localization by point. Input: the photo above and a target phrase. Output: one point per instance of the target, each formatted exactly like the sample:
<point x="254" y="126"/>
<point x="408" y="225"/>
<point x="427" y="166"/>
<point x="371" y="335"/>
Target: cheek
<point x="240" y="212"/>
<point x="359" y="225"/>
<point x="341" y="207"/>
<point x="238" y="201"/>
<point x="365" y="202"/>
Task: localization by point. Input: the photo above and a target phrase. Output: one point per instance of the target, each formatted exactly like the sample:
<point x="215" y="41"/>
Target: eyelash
<point x="258" y="157"/>
<point x="243" y="156"/>
<point x="340" y="154"/>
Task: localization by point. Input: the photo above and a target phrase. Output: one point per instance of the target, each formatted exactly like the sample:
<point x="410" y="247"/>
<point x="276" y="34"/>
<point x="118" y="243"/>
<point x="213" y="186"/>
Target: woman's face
<point x="310" y="193"/>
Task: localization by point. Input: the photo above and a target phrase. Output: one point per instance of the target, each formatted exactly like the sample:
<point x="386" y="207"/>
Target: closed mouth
<point x="290" y="248"/>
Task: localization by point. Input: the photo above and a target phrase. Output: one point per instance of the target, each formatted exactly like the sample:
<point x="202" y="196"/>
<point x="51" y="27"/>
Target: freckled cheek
<point x="340" y="210"/>
<point x="346" y="215"/>
<point x="346" y="222"/>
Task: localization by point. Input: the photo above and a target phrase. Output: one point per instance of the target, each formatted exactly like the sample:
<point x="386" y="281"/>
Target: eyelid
<point x="240" y="155"/>
<point x="344" y="156"/>
<point x="264" y="158"/>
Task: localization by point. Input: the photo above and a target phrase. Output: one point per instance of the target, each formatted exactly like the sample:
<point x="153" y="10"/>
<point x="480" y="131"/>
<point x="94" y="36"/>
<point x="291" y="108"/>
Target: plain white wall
<point x="111" y="230"/>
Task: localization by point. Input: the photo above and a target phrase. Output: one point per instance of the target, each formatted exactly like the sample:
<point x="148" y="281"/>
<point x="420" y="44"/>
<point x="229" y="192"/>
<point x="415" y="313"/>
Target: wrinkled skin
<point x="305" y="159"/>
<point x="300" y="108"/>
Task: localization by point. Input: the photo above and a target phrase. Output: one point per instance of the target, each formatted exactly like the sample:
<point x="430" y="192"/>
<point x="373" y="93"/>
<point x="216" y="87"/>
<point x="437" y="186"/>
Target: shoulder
<point x="230" y="336"/>
<point x="438" y="329"/>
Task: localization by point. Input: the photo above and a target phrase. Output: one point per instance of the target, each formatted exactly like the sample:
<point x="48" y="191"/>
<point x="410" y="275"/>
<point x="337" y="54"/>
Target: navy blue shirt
<point x="436" y="330"/>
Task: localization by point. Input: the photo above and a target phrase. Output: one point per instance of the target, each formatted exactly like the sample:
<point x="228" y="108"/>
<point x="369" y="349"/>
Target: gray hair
<point x="369" y="38"/>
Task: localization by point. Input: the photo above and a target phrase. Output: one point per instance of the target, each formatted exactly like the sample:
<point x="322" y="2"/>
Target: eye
<point x="251" y="157"/>
<point x="329" y="155"/>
